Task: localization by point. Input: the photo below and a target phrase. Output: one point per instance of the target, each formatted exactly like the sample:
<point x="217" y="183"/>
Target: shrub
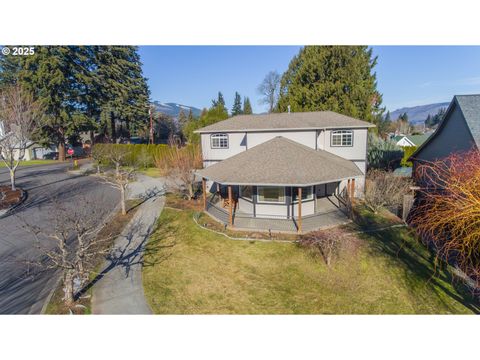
<point x="326" y="243"/>
<point x="382" y="154"/>
<point x="447" y="212"/>
<point x="407" y="152"/>
<point x="142" y="155"/>
<point x="383" y="188"/>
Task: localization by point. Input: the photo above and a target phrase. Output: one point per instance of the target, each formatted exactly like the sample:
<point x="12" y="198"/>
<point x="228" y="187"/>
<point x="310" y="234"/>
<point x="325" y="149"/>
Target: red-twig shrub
<point x="448" y="210"/>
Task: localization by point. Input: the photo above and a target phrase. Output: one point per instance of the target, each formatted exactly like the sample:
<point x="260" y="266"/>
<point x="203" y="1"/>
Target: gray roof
<point x="283" y="162"/>
<point x="470" y="107"/>
<point x="286" y="121"/>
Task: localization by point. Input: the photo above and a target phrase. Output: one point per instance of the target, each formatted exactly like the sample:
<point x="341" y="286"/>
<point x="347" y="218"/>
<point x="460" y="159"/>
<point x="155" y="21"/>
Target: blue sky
<point x="406" y="75"/>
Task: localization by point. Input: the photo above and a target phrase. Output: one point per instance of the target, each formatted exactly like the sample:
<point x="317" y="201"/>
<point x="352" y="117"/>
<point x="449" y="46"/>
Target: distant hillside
<point x="173" y="109"/>
<point x="418" y="114"/>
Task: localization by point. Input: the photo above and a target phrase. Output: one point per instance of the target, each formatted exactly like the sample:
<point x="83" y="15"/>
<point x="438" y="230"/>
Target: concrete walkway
<point x="119" y="289"/>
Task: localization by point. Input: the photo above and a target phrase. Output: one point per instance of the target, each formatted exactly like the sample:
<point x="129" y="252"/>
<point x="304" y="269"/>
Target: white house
<point x="291" y="167"/>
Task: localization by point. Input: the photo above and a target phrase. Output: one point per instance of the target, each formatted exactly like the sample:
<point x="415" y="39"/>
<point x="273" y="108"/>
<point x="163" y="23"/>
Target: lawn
<point x="190" y="270"/>
<point x="32" y="162"/>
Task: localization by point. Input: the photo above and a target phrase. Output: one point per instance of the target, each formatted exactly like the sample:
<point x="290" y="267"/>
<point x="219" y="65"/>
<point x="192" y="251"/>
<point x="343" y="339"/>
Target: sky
<point x="406" y="75"/>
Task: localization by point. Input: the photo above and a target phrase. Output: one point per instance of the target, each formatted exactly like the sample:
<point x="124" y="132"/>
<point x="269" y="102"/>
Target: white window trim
<point x="271" y="202"/>
<point x="341" y="133"/>
<point x="219" y="136"/>
<point x="307" y="199"/>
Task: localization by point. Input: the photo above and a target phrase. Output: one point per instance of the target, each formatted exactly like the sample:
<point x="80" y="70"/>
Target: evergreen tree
<point x="182" y="119"/>
<point x="10" y="67"/>
<point x="388" y="117"/>
<point x="219" y="101"/>
<point x="237" y="105"/>
<point x="51" y="76"/>
<point x="247" y="106"/>
<point x="190" y="116"/>
<point x="216" y="113"/>
<point x="337" y="78"/>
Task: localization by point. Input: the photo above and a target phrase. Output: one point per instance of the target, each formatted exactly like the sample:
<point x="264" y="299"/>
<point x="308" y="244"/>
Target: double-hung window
<point x="342" y="138"/>
<point x="219" y="141"/>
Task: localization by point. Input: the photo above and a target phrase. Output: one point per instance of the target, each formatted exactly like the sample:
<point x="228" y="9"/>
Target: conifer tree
<point x="237" y="105"/>
<point x="336" y="78"/>
<point x="247" y="106"/>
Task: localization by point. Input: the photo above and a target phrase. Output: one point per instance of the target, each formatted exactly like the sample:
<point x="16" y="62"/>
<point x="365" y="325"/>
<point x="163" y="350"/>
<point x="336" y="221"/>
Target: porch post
<point x="353" y="191"/>
<point x="299" y="209"/>
<point x="230" y="211"/>
<point x="204" y="188"/>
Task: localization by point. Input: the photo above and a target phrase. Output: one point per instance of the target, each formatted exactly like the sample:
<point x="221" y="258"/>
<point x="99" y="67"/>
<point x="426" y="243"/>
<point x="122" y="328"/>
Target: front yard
<point x="190" y="270"/>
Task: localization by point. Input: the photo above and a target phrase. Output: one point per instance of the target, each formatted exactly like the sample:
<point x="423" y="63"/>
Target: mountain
<point x="173" y="109"/>
<point x="418" y="114"/>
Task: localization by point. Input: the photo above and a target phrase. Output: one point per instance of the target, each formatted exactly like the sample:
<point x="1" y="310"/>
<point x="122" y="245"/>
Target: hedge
<point x="138" y="154"/>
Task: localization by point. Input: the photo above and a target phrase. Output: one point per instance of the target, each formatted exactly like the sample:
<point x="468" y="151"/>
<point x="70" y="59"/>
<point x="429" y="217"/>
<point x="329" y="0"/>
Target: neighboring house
<point x="458" y="131"/>
<point x="410" y="140"/>
<point x="291" y="167"/>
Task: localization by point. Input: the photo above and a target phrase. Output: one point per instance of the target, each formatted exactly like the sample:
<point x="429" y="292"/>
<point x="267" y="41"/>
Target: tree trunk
<point x="113" y="129"/>
<point x="61" y="151"/>
<point x="122" y="200"/>
<point x="68" y="288"/>
<point x="12" y="179"/>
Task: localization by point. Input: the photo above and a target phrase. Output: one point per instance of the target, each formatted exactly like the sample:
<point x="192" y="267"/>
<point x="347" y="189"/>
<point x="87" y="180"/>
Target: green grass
<point x="32" y="162"/>
<point x="190" y="270"/>
<point x="152" y="172"/>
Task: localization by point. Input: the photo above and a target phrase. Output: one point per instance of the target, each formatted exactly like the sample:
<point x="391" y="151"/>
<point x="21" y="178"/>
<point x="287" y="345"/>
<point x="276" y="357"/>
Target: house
<point x="458" y="131"/>
<point x="283" y="172"/>
<point x="410" y="140"/>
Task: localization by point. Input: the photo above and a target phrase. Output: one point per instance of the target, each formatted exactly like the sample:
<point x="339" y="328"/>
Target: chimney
<point x="288" y="109"/>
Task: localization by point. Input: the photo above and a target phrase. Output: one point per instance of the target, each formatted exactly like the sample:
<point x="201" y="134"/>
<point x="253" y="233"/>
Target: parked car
<point x="53" y="155"/>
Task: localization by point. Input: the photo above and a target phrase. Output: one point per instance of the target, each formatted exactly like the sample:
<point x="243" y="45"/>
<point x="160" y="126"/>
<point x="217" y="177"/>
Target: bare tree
<point x="116" y="154"/>
<point x="269" y="89"/>
<point x="179" y="163"/>
<point x="19" y="115"/>
<point x="326" y="242"/>
<point x="70" y="243"/>
<point x="120" y="180"/>
<point x="383" y="188"/>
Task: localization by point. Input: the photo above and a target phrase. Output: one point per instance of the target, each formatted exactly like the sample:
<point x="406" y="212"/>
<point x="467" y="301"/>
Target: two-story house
<point x="291" y="167"/>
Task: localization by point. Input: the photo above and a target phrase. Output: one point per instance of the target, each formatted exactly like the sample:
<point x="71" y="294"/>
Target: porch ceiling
<point x="281" y="162"/>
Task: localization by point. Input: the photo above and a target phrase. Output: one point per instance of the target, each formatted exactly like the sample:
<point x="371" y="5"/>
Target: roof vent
<point x="288" y="107"/>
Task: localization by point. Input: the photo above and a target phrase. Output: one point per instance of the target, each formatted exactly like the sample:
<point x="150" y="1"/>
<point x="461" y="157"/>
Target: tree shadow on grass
<point x="416" y="261"/>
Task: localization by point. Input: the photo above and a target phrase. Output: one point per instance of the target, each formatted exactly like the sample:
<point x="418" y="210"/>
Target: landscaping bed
<point x="9" y="198"/>
<point x="196" y="271"/>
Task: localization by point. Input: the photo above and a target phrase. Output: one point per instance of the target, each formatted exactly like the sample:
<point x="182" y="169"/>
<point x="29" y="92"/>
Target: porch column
<point x="204" y="188"/>
<point x="230" y="201"/>
<point x="299" y="209"/>
<point x="353" y="191"/>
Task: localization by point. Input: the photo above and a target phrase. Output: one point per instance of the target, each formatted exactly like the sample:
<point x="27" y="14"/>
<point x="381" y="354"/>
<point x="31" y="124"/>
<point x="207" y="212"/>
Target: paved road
<point x="21" y="290"/>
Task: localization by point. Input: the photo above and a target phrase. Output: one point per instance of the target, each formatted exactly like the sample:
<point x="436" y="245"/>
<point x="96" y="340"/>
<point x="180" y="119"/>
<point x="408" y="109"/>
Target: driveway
<point x="21" y="290"/>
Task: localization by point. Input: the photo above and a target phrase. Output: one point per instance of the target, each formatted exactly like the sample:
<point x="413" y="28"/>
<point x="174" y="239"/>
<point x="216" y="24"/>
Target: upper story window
<point x="219" y="141"/>
<point x="342" y="138"/>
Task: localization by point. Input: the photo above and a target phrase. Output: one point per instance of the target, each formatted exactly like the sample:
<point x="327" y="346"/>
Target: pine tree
<point x="190" y="116"/>
<point x="182" y="119"/>
<point x="247" y="106"/>
<point x="237" y="105"/>
<point x="336" y="78"/>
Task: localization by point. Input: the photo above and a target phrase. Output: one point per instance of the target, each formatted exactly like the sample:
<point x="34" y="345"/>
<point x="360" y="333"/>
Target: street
<point x="23" y="291"/>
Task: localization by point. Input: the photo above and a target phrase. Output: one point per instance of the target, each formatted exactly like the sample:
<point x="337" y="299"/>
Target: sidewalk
<point x="120" y="290"/>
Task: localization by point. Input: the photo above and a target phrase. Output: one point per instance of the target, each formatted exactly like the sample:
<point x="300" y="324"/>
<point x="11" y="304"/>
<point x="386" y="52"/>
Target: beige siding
<point x="307" y="138"/>
<point x="356" y="152"/>
<point x="236" y="144"/>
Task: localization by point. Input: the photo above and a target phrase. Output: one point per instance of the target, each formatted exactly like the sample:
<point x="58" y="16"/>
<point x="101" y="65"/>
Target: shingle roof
<point x="282" y="162"/>
<point x="286" y="121"/>
<point x="470" y="107"/>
